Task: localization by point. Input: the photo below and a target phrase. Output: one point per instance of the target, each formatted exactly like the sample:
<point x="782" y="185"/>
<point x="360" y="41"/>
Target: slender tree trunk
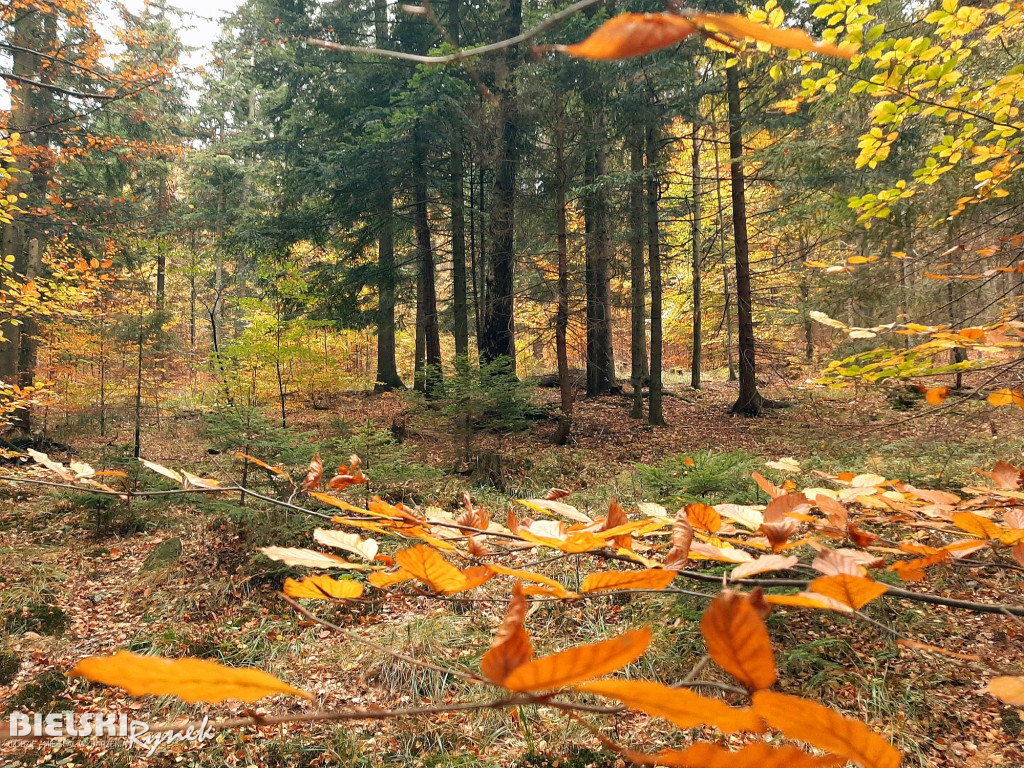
<point x="460" y="305"/>
<point x="655" y="414"/>
<point x="138" y="392"/>
<point x="428" y="378"/>
<point x="562" y="317"/>
<point x="697" y="262"/>
<point x="726" y="294"/>
<point x="749" y="402"/>
<point x="28" y="341"/>
<point x="600" y="354"/>
<point x="637" y="283"/>
<point x="498" y="333"/>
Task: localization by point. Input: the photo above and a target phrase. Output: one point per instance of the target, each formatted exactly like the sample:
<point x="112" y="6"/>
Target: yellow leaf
<point x="383" y="580"/>
<point x="825" y="729"/>
<point x="854" y="591"/>
<point x="681" y="707"/>
<point x="608" y="580"/>
<point x="579" y="664"/>
<point x="323" y="587"/>
<point x="792" y="39"/>
<point x="191" y="680"/>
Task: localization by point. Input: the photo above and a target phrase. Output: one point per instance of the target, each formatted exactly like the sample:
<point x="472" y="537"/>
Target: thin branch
<point x="56" y="88"/>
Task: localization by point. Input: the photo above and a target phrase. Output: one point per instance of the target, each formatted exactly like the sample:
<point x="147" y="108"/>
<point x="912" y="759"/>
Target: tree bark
<point x="562" y="317"/>
<point x="600" y="355"/>
<point x="498" y="327"/>
<point x="749" y="402"/>
<point x="460" y="305"/>
<point x="655" y="414"/>
<point x="428" y="356"/>
<point x="697" y="262"/>
<point x="637" y="283"/>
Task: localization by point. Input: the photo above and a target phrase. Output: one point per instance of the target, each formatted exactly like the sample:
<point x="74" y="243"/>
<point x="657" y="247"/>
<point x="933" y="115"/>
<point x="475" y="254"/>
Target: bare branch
<point x="56" y="88"/>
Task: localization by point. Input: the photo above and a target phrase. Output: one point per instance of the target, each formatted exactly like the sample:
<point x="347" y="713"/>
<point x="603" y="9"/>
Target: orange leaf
<point x="821" y="727"/>
<point x="427" y="565"/>
<point x="808" y="600"/>
<point x="648" y="579"/>
<point x="511" y="647"/>
<point x="767" y="485"/>
<point x="633" y="34"/>
<point x="383" y="580"/>
<point x="258" y="463"/>
<point x="313" y="475"/>
<point x="1018" y="554"/>
<point x="703" y="518"/>
<point x="526" y="576"/>
<point x="323" y="587"/>
<point x="854" y="591"/>
<point x="738" y="641"/>
<point x="1003" y="397"/>
<point x="1008" y="689"/>
<point x="976" y="525"/>
<point x="576" y="665"/>
<point x="191" y="680"/>
<point x="936" y="395"/>
<point x="784" y="505"/>
<point x="756" y="755"/>
<point x="859" y="537"/>
<point x="791" y="39"/>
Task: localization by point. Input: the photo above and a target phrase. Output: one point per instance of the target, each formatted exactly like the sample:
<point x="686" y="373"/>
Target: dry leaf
<point x="309" y="558"/>
<point x="763" y="564"/>
<point x="191" y="680"/>
<point x="854" y="591"/>
<point x="350" y="542"/>
<point x="738" y="641"/>
<point x="323" y="587"/>
<point x="511" y="647"/>
<point x="633" y="34"/>
<point x="825" y="729"/>
<point x="1008" y="689"/>
<point x="756" y="755"/>
<point x="703" y="518"/>
<point x="607" y="580"/>
<point x="579" y="664"/>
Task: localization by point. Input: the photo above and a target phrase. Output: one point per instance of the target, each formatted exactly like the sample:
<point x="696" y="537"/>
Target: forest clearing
<point x="511" y="384"/>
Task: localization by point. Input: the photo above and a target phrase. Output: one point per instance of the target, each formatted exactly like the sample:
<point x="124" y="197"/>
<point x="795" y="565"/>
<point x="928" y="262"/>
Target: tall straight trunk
<point x="600" y="355"/>
<point x="749" y="401"/>
<point x="637" y="283"/>
<point x="727" y="304"/>
<point x="138" y="391"/>
<point x="460" y="305"/>
<point x="562" y="317"/>
<point x="28" y="346"/>
<point x="161" y="254"/>
<point x="655" y="415"/>
<point x="428" y="366"/>
<point x="697" y="261"/>
<point x="387" y="377"/>
<point x="955" y="298"/>
<point x="498" y="332"/>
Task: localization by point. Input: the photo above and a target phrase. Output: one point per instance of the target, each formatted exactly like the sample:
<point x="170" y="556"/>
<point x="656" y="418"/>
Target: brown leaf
<point x="763" y="564"/>
<point x="833" y="562"/>
<point x="579" y="664"/>
<point x="834" y="511"/>
<point x="681" y="707"/>
<point x="313" y="474"/>
<point x="738" y="641"/>
<point x="555" y="494"/>
<point x="778" y="533"/>
<point x="781" y="506"/>
<point x="767" y="485"/>
<point x="976" y="525"/>
<point x="682" y="538"/>
<point x="511" y="647"/>
<point x="476" y="547"/>
<point x="633" y="34"/>
<point x="825" y="729"/>
<point x="859" y="537"/>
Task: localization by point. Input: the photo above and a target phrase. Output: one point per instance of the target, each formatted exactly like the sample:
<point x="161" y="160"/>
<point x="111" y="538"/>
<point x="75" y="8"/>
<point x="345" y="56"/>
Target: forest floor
<point x="74" y="581"/>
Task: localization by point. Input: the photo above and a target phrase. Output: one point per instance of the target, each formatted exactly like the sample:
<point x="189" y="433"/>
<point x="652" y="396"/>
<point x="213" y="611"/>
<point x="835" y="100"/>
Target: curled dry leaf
<point x="756" y="755"/>
<point x="309" y="558"/>
<point x="763" y="564"/>
<point x="189" y="679"/>
<point x="1008" y="689"/>
<point x="476" y="547"/>
<point x="825" y="729"/>
<point x="579" y="664"/>
<point x="603" y="581"/>
<point x="555" y="494"/>
<point x="323" y="587"/>
<point x="633" y="34"/>
<point x="779" y="532"/>
<point x="313" y="474"/>
<point x="738" y="640"/>
<point x="511" y="647"/>
<point x="854" y="591"/>
<point x="681" y="707"/>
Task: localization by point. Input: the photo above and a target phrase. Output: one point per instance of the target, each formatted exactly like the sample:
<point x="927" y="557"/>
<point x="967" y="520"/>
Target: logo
<point x="59" y="725"/>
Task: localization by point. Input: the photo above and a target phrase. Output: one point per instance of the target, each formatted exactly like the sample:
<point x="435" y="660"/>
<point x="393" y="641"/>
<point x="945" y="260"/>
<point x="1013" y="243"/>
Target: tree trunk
<point x="498" y="327"/>
<point x="655" y="415"/>
<point x="428" y="370"/>
<point x="749" y="402"/>
<point x="600" y="355"/>
<point x="562" y="317"/>
<point x="637" y="286"/>
<point x="697" y="262"/>
<point x="728" y="322"/>
<point x="460" y="305"/>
